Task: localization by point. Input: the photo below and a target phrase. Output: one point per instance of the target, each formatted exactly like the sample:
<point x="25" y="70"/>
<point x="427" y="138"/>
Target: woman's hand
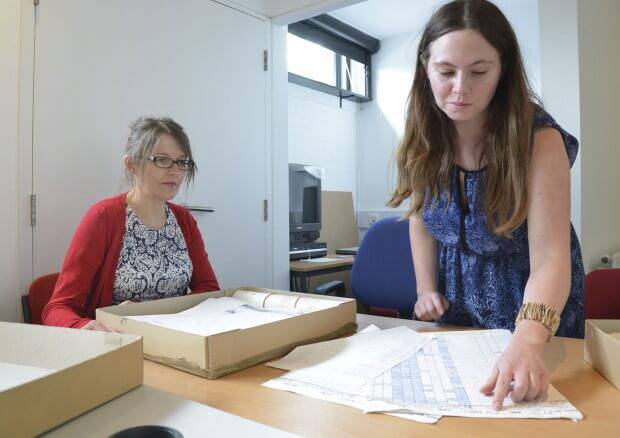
<point x="430" y="306"/>
<point x="99" y="326"/>
<point x="522" y="365"/>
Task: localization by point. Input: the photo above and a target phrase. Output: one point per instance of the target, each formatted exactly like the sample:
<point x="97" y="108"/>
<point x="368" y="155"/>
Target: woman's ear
<point x="129" y="164"/>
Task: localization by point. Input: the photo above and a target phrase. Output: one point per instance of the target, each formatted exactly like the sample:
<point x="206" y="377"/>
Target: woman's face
<point x="463" y="70"/>
<point x="158" y="183"/>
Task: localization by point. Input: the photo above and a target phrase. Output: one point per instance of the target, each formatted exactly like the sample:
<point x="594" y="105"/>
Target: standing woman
<point x="136" y="246"/>
<point x="487" y="172"/>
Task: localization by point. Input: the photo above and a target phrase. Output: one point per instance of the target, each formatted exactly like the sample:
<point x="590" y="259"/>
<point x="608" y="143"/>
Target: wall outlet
<point x="372" y="218"/>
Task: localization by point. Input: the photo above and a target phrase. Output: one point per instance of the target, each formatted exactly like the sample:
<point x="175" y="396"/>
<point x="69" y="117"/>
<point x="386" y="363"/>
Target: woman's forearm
<point x="424" y="251"/>
<point x="549" y="283"/>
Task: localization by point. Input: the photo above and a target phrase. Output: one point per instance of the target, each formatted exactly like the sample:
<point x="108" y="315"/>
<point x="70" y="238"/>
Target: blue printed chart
<point x="444" y="378"/>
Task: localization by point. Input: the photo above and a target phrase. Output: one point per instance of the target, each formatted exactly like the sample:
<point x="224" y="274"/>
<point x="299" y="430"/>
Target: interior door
<point x="101" y="64"/>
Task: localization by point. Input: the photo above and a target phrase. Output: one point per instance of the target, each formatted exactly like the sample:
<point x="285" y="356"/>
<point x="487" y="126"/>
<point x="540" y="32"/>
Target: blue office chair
<point x="382" y="275"/>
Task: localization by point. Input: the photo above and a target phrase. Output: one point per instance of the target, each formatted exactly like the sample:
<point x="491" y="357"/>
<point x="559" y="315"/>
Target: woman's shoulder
<point x="178" y="208"/>
<point x="182" y="214"/>
<point x="542" y="119"/>
<point x="107" y="208"/>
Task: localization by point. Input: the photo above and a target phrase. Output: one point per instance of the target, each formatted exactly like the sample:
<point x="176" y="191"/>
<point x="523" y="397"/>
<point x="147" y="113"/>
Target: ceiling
<point x="388" y="18"/>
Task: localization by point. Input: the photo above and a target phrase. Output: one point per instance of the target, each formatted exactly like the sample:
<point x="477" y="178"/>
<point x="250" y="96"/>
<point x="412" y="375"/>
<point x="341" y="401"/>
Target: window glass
<point x="311" y="60"/>
<point x="353" y="76"/>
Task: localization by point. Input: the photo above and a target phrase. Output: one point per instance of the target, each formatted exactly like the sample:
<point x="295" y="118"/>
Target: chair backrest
<point x="602" y="294"/>
<point x="38" y="295"/>
<point x="382" y="275"/>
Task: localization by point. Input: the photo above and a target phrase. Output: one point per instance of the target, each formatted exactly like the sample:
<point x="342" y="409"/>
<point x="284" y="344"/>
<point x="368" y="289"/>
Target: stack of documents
<point x="412" y="375"/>
<point x="243" y="310"/>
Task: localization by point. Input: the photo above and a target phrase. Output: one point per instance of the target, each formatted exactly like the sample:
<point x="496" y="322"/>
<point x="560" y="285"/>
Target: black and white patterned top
<point x="152" y="264"/>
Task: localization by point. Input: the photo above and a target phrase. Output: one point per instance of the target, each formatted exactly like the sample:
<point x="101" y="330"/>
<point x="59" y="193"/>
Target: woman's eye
<point x="446" y="73"/>
<point x="478" y="73"/>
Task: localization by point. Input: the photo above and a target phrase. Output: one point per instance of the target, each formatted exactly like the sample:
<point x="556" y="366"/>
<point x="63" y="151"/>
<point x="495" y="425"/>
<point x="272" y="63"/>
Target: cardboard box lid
<point x="61" y="373"/>
<point x="55" y="347"/>
<point x="602" y="348"/>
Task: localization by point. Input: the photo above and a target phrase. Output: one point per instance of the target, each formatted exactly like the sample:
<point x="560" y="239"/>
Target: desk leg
<point x="304" y="282"/>
<point x="298" y="280"/>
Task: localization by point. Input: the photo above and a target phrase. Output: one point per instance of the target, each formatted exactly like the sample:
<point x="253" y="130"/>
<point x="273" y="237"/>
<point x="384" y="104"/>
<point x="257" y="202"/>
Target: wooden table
<point x="301" y="270"/>
<point x="241" y="394"/>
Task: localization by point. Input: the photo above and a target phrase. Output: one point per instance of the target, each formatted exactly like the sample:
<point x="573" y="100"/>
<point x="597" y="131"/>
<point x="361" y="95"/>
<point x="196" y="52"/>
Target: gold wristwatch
<point x="542" y="313"/>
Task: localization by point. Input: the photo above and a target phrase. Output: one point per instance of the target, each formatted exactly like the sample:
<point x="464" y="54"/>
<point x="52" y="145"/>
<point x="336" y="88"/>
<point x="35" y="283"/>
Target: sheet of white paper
<point x="444" y="378"/>
<point x="347" y="364"/>
<point x="344" y="398"/>
<point x="303" y="357"/>
<point x="320" y="260"/>
<point x="296" y="358"/>
<point x="12" y="375"/>
<point x="219" y="315"/>
<point x="371" y="328"/>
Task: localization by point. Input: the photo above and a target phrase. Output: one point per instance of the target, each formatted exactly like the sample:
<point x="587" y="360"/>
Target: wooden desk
<point x="301" y="270"/>
<point x="241" y="394"/>
<point x="348" y="251"/>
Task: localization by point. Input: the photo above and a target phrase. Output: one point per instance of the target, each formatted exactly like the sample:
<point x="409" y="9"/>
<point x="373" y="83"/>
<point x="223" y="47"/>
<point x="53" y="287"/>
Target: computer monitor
<point x="304" y="198"/>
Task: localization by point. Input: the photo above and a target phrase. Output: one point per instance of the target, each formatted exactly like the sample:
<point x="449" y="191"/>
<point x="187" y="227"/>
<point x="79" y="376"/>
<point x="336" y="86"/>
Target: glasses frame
<point x="154" y="159"/>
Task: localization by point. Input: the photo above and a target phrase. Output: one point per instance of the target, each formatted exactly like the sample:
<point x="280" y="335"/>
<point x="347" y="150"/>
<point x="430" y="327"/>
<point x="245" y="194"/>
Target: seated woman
<point x="136" y="246"/>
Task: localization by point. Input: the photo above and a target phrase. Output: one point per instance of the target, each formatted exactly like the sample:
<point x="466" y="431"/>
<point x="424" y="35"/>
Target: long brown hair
<point x="424" y="157"/>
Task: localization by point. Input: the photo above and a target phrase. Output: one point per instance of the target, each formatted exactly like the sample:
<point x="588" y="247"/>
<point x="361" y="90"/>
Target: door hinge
<point x="265" y="60"/>
<point x="265" y="210"/>
<point x="33" y="210"/>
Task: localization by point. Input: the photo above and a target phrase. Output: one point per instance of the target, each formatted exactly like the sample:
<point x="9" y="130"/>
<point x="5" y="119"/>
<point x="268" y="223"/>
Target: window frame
<point x="347" y="43"/>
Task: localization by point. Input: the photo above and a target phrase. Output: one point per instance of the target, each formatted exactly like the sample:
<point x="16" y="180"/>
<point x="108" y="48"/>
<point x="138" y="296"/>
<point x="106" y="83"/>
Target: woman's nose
<point x="461" y="84"/>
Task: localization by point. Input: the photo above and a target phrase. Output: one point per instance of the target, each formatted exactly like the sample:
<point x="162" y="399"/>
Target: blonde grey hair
<point x="144" y="133"/>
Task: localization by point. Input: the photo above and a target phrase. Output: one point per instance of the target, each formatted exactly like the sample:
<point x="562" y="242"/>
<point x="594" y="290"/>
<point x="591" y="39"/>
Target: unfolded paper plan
<point x="441" y="375"/>
<point x="244" y="309"/>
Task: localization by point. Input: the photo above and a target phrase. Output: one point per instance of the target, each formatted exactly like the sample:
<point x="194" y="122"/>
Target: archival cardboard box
<point x="49" y="375"/>
<point x="602" y="348"/>
<point x="223" y="353"/>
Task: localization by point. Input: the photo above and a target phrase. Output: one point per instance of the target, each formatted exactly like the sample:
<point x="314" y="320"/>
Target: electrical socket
<point x="372" y="218"/>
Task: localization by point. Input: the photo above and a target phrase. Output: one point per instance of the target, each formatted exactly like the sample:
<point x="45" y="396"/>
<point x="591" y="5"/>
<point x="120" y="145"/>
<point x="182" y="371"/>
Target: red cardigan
<point x="86" y="280"/>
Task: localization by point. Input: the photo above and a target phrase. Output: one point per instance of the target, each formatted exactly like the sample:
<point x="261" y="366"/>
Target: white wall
<point x="9" y="85"/>
<point x="523" y="16"/>
<point x="381" y="125"/>
<point x="322" y="134"/>
<point x="599" y="93"/>
<point x="559" y="56"/>
<point x="382" y="120"/>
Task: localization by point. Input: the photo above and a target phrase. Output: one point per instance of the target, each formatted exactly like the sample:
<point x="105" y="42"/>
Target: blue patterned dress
<point x="483" y="276"/>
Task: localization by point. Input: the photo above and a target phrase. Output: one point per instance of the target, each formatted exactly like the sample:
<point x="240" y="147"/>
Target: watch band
<point x="542" y="313"/>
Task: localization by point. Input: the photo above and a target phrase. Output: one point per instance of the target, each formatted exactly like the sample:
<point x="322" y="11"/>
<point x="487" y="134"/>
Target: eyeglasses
<point x="166" y="163"/>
